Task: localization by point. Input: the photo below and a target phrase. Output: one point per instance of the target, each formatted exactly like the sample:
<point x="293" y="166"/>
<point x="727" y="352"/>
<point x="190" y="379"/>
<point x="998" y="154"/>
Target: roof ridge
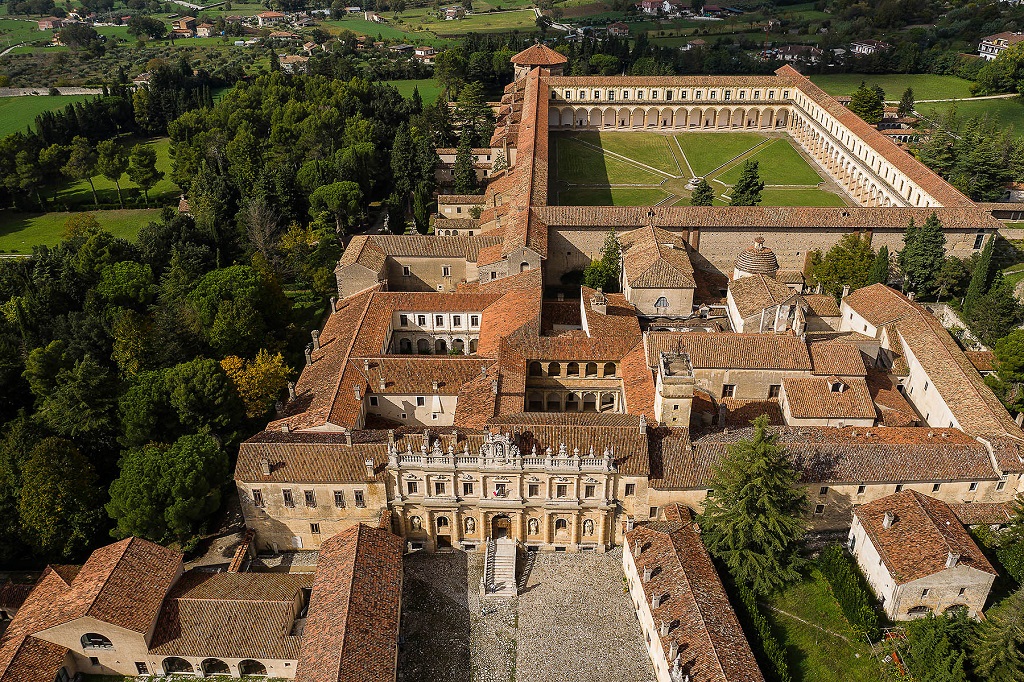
<point x="369" y="292"/>
<point x="128" y="542"/>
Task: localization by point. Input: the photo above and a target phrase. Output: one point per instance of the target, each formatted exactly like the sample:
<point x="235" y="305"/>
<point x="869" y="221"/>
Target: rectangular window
<point x="421" y="320"/>
<point x="771" y="94"/>
<point x="630" y="489"/>
<point x="533" y="490"/>
<point x="668" y="95"/>
<point x="728" y="95"/>
<point x="339" y="499"/>
<point x="597" y="94"/>
<point x="625" y="94"/>
<point x="785" y="94"/>
<point x="639" y="94"/>
<point x="373" y="401"/>
<point x="467" y="489"/>
<point x="500" y="490"/>
<point x="403" y="320"/>
<point x="94" y="661"/>
<point x="899" y="487"/>
<point x="979" y="240"/>
<point x="935" y="487"/>
<point x="1002" y="482"/>
<point x="714" y="94"/>
<point x="446" y="271"/>
<point x="406" y="272"/>
<point x="611" y="95"/>
<point x="310" y="498"/>
<point x="861" y="489"/>
<point x="420" y="401"/>
<point x="314" y="528"/>
<point x="439" y="487"/>
<point x="141" y="668"/>
<point x="360" y="500"/>
<point x="257" y="498"/>
<point x="696" y="95"/>
<point x="561" y="490"/>
<point x="728" y="390"/>
<point x="412" y="487"/>
<point x="823" y="490"/>
<point x="757" y="94"/>
<point x="474" y="320"/>
<point x="456" y="320"/>
<point x="590" y="491"/>
<point x="819" y="509"/>
<point x="439" y="320"/>
<point x="974" y="486"/>
<point x="682" y="94"/>
<point x="774" y="390"/>
<point x="289" y="501"/>
<point x="652" y="512"/>
<point x="494" y="275"/>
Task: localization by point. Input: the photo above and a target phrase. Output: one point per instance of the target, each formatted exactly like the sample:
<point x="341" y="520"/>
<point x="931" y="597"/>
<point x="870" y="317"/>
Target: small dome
<point x="758" y="260"/>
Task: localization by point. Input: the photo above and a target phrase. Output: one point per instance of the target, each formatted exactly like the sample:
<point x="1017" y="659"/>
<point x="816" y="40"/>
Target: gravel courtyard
<point x="571" y="622"/>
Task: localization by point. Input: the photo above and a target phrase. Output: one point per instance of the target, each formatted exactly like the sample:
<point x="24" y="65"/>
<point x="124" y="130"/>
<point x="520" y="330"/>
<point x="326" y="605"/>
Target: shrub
<point x="770" y="653"/>
<point x="849" y="589"/>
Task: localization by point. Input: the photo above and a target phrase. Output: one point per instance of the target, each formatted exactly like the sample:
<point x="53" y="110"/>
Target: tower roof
<point x="758" y="259"/>
<point x="539" y="55"/>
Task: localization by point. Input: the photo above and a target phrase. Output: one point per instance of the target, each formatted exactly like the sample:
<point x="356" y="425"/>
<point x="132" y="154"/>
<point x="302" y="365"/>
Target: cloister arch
<point x="173" y="664"/>
<point x="250" y="667"/>
<point x="215" y="666"/>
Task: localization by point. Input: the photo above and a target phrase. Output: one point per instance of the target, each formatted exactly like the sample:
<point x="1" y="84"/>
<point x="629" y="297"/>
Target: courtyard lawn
<point x="925" y="85"/>
<point x="779" y="164"/>
<point x="800" y="197"/>
<point x="429" y="89"/>
<point x="17" y="113"/>
<point x="580" y="164"/>
<point x="650" y="149"/>
<point x="707" y="151"/>
<point x="611" y="196"/>
<point x="19" y="232"/>
<point x="79" y="194"/>
<point x="1008" y="113"/>
<point x="824" y="648"/>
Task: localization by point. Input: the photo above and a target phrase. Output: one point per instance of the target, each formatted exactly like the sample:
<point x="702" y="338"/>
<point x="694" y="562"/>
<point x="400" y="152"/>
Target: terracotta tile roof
<point x="755" y="293"/>
<point x="351" y="634"/>
<point x="489" y="255"/>
<point x="857" y="455"/>
<point x="652" y="257"/>
<point x="515" y="315"/>
<point x="562" y="313"/>
<point x="638" y="383"/>
<point x="461" y="198"/>
<point x="671" y="458"/>
<point x="822" y="305"/>
<point x="733" y="351"/>
<point x="813" y="398"/>
<point x="457" y="224"/>
<point x="740" y="413"/>
<point x="308" y="457"/>
<point x="24" y="658"/>
<point x="941" y="191"/>
<point x="372" y="250"/>
<point x="363" y="250"/>
<point x="1007" y="452"/>
<point x="790" y="276"/>
<point x="409" y="375"/>
<point x="13" y="595"/>
<point x="764" y="218"/>
<point x="477" y="400"/>
<point x="837" y="357"/>
<point x="231" y="615"/>
<point x="983" y="513"/>
<point x="711" y="643"/>
<point x="923" y="533"/>
<point x="893" y="408"/>
<point x="983" y="360"/>
<point x="737" y="81"/>
<point x="539" y="55"/>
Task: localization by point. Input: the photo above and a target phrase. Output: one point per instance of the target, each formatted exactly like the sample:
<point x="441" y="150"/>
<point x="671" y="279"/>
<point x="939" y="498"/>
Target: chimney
<point x="309" y="354"/>
<point x="369" y="468"/>
<point x="381" y="384"/>
<point x="316" y="339"/>
<point x="265" y="466"/>
<point x="358" y="392"/>
<point x="630" y="523"/>
<point x="910" y="296"/>
<point x="285" y="428"/>
<point x="599" y="302"/>
<point x="637" y="549"/>
<point x="647" y="573"/>
<point x="391" y="436"/>
<point x="1019" y="419"/>
<point x="951" y="559"/>
<point x="887" y="520"/>
<point x="643" y="424"/>
<point x="846" y="290"/>
<point x="348" y="437"/>
<point x="426" y="437"/>
<point x="655" y="601"/>
<point x="334" y="304"/>
<point x="494" y="386"/>
<point x="433" y="385"/>
<point x="291" y="390"/>
<point x="664" y="628"/>
<point x="561" y="296"/>
<point x="673" y="650"/>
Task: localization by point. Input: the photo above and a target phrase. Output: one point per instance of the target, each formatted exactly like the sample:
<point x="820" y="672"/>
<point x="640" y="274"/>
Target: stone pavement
<point x="572" y="622"/>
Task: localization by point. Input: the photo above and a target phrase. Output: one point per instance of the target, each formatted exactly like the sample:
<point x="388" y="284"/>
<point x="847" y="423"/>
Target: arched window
<point x="472" y="346"/>
<point x="535" y="369"/>
<point x="442" y="522"/>
<point x="572" y="403"/>
<point x="404" y="346"/>
<point x="215" y="666"/>
<point x="524" y="266"/>
<point x="561" y="524"/>
<point x="173" y="664"/>
<point x="662" y="302"/>
<point x="591" y="369"/>
<point x="459" y="346"/>
<point x="252" y="668"/>
<point x="609" y="369"/>
<point x="440" y="347"/>
<point x="554" y="369"/>
<point x="423" y="347"/>
<point x="92" y="640"/>
<point x="572" y="370"/>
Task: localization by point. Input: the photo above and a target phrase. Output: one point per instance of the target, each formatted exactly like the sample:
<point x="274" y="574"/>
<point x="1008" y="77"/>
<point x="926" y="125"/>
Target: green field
<point x="429" y="89"/>
<point x="165" y="191"/>
<point x="925" y="85"/>
<point x="830" y="652"/>
<point x="642" y="168"/>
<point x="14" y="31"/>
<point x="19" y="232"/>
<point x="361" y="26"/>
<point x="1008" y="114"/>
<point x="18" y="112"/>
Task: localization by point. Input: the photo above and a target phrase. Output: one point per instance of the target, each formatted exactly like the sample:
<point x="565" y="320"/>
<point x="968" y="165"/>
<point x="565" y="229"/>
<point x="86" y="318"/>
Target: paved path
<point x="963" y="99"/>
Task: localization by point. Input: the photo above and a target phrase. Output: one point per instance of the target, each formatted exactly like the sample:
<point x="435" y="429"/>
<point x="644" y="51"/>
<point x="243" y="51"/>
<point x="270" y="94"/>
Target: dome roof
<point x="758" y="259"/>
<point x="539" y="55"/>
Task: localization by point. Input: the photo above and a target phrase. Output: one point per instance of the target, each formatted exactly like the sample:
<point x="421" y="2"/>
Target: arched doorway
<point x="215" y="666"/>
<point x="173" y="664"/>
<point x="252" y="668"/>
<point x="501" y="527"/>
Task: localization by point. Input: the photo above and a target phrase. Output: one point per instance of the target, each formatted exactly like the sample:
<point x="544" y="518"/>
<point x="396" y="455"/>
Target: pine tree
<point x="996" y="313"/>
<point x="907" y="104"/>
<point x="464" y="174"/>
<point x="849" y="262"/>
<point x="980" y="275"/>
<point x="703" y="194"/>
<point x="868" y="103"/>
<point x="747" y="190"/>
<point x="402" y="163"/>
<point x="417" y="100"/>
<point x="752" y="518"/>
<point x="924" y="250"/>
<point x="880" y="267"/>
<point x="999" y="650"/>
<point x="112" y="162"/>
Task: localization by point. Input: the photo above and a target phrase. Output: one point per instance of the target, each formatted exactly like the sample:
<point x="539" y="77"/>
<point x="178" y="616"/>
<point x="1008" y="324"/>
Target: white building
<point x="992" y="46"/>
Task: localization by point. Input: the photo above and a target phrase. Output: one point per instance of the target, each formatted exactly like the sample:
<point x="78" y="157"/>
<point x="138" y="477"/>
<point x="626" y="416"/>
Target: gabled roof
<point x="539" y="55"/>
<point x="733" y="351"/>
<point x="652" y="257"/>
<point x="757" y="292"/>
<point x="24" y="658"/>
<point x="814" y="398"/>
<point x="923" y="533"/>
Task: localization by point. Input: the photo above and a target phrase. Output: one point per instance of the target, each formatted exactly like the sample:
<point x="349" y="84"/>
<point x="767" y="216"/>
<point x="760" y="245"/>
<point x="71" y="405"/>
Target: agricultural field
<point x="17" y="113"/>
<point x="925" y="85"/>
<point x="428" y="87"/>
<point x="357" y="24"/>
<point x="14" y="31"/>
<point x="1007" y="113"/>
<point x="424" y="19"/>
<point x="643" y="168"/>
<point x="19" y="232"/>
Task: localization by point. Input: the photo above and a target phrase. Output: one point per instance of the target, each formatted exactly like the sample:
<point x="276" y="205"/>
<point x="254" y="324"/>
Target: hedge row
<point x="772" y="656"/>
<point x="850" y="590"/>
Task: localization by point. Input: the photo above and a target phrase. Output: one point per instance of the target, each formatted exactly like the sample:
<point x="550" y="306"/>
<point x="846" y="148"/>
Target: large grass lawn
<point x="361" y="26"/>
<point x="649" y="149"/>
<point x="18" y="112"/>
<point x="611" y="196"/>
<point x="429" y="89"/>
<point x="580" y="164"/>
<point x="779" y="163"/>
<point x="925" y="85"/>
<point x="516" y="20"/>
<point x="14" y="31"/>
<point x="78" y="193"/>
<point x="19" y="232"/>
<point x="800" y="197"/>
<point x="707" y="151"/>
<point x="1008" y="114"/>
<point x="820" y="654"/>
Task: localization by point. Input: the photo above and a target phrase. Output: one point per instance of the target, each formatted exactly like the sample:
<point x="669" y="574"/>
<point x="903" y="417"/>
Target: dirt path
<point x="806" y="622"/>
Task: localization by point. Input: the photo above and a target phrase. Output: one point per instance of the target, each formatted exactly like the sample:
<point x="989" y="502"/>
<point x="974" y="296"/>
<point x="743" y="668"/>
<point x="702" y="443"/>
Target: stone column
<point x="576" y="529"/>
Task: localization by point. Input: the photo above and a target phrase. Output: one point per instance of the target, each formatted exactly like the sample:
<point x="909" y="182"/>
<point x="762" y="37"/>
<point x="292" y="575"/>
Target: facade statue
<point x="534" y="526"/>
<point x="415" y="523"/>
<point x="470" y="525"/>
<point x="588" y="527"/>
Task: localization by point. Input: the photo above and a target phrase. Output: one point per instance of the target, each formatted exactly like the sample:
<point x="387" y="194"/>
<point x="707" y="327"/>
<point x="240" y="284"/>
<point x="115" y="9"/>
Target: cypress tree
<point x="747" y="190"/>
<point x="979" y="277"/>
<point x="464" y="175"/>
<point x="752" y="518"/>
<point x="999" y="650"/>
<point x="907" y="104"/>
<point x="879" y="273"/>
<point x="924" y="251"/>
<point x="703" y="195"/>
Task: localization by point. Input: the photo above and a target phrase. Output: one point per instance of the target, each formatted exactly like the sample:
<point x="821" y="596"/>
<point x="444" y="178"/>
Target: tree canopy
<point x="747" y="190"/>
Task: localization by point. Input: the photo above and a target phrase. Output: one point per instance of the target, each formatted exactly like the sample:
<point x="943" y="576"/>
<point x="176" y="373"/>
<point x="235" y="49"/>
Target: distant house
<point x="649" y="6"/>
<point x="205" y="30"/>
<point x="868" y="47"/>
<point x="293" y="63"/>
<point x="142" y="79"/>
<point x="918" y="558"/>
<point x="353" y="10"/>
<point x="181" y="33"/>
<point x="618" y="29"/>
<point x="184" y="24"/>
<point x="309" y="47"/>
<point x="425" y="54"/>
<point x="697" y="44"/>
<point x="992" y="46"/>
<point x="374" y="17"/>
<point x="233" y="19"/>
<point x="284" y="35"/>
<point x="50" y="24"/>
<point x="454" y="12"/>
<point x="805" y="54"/>
<point x="402" y="48"/>
<point x="267" y="18"/>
